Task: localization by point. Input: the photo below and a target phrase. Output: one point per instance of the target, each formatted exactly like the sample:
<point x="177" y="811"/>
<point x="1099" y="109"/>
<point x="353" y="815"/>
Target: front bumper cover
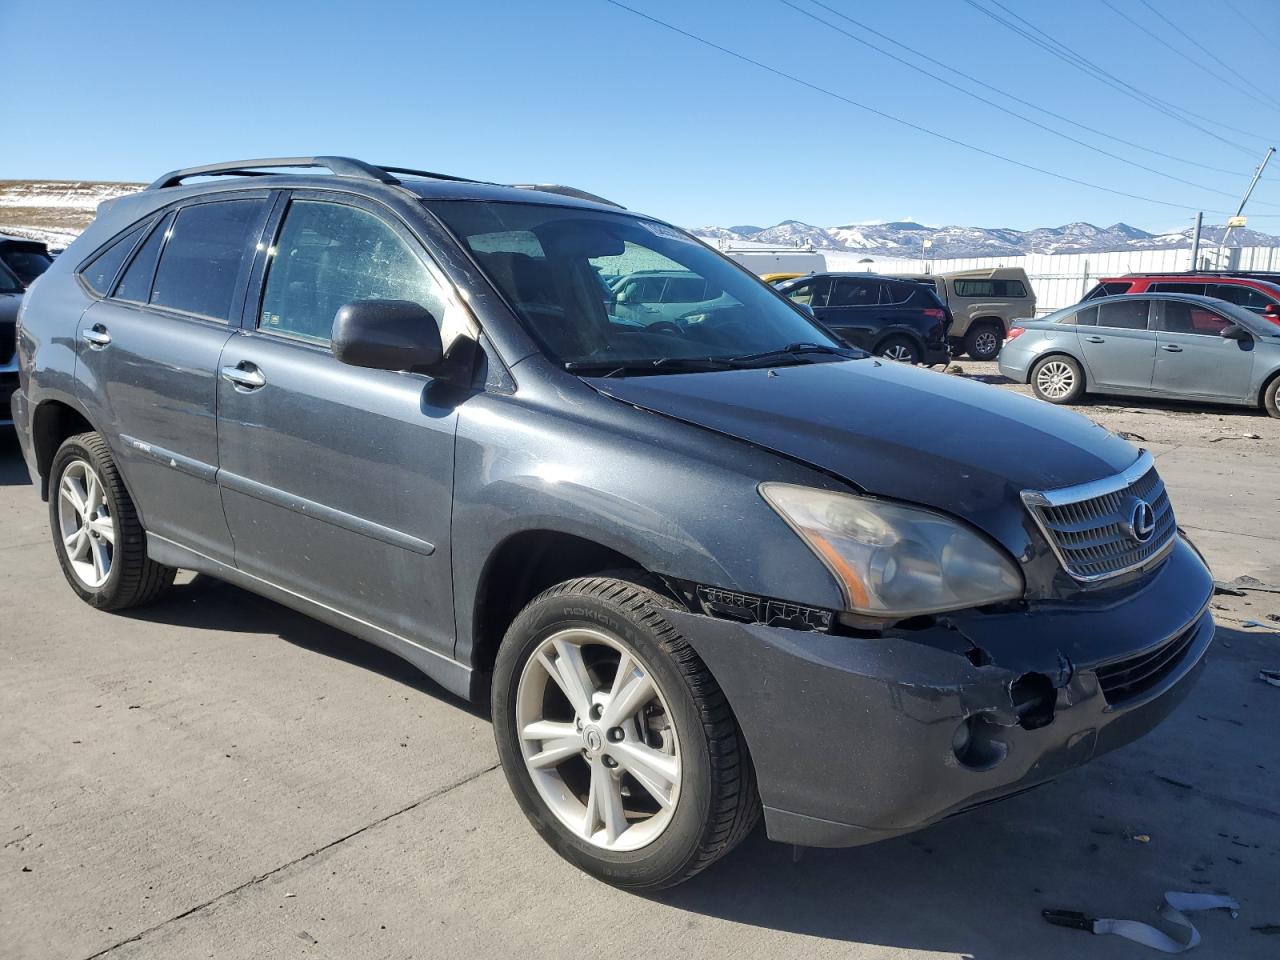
<point x="852" y="738"/>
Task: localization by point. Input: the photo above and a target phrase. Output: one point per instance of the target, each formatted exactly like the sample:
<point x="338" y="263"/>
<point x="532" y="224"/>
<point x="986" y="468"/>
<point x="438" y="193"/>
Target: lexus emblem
<point x="1143" y="523"/>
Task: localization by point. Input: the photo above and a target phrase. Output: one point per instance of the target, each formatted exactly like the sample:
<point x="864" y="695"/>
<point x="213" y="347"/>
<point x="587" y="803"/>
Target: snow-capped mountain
<point x="905" y="238"/>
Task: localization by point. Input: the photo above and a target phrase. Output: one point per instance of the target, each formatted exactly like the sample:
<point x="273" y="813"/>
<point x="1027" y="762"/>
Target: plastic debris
<point x="1174" y="910"/>
<point x="1126" y="435"/>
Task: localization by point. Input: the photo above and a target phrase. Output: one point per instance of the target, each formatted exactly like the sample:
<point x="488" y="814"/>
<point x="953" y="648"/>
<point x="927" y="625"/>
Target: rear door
<point x="1192" y="359"/>
<point x="1120" y="351"/>
<point x="338" y="480"/>
<point x="854" y="310"/>
<point x="148" y="359"/>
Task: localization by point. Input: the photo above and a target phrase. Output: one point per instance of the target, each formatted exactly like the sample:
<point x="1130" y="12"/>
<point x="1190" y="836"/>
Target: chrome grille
<point x="1095" y="528"/>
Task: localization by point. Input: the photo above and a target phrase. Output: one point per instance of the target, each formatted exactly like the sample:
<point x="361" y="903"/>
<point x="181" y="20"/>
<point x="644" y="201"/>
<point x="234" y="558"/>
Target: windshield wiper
<point x="791" y="350"/>
<point x="613" y="368"/>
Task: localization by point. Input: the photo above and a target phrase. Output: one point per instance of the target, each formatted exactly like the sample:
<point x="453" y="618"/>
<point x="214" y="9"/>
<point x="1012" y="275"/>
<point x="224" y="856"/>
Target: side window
<point x="135" y="285"/>
<point x="1239" y="294"/>
<point x="1014" y="289"/>
<point x="101" y="271"/>
<point x="975" y="288"/>
<point x="802" y="294"/>
<point x="1087" y="317"/>
<point x="1124" y="314"/>
<point x="330" y="254"/>
<point x="814" y="293"/>
<point x="1179" y="316"/>
<point x="854" y="293"/>
<point x="208" y="249"/>
<point x="897" y="293"/>
<point x="1172" y="287"/>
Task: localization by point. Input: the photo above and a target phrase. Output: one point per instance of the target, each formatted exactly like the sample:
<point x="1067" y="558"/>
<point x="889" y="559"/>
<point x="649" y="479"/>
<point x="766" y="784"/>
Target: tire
<point x="983" y="341"/>
<point x="1058" y="379"/>
<point x="686" y="724"/>
<point x="1271" y="398"/>
<point x="899" y="348"/>
<point x="100" y="543"/>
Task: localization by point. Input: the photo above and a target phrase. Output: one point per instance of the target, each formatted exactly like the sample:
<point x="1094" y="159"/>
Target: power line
<point x="1060" y="50"/>
<point x="1241" y="14"/>
<point x="898" y="120"/>
<point x="992" y="103"/>
<point x="1226" y="81"/>
<point x="1024" y="102"/>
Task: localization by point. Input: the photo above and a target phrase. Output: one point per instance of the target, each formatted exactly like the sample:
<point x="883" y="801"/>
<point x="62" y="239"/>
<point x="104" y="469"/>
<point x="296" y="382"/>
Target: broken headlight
<point x="893" y="560"/>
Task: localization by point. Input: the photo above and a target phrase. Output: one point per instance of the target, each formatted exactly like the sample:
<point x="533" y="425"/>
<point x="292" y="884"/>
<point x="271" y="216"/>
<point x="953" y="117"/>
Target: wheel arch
<point x="52" y="422"/>
<point x="522" y="566"/>
<point x="1271" y="378"/>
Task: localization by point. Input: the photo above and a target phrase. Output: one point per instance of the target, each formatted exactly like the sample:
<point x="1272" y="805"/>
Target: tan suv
<point x="984" y="303"/>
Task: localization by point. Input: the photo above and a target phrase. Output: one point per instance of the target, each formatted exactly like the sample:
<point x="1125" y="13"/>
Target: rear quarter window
<point x="994" y="289"/>
<point x="101" y="271"/>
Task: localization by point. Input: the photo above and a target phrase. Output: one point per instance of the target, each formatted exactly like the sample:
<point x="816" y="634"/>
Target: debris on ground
<point x="1236" y="436"/>
<point x="1275" y="617"/>
<point x="1174" y="910"/>
<point x="1126" y="435"/>
<point x="1253" y="583"/>
<point x="1254" y="623"/>
<point x="956" y="369"/>
<point x="1270" y="676"/>
<point x="1225" y="588"/>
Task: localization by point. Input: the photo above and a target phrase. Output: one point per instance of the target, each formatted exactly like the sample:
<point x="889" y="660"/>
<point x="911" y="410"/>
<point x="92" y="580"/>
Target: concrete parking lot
<point x="218" y="776"/>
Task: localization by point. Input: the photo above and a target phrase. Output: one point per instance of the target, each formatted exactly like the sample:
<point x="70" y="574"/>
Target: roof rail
<point x="340" y="166"/>
<point x="567" y="192"/>
<point x="427" y="173"/>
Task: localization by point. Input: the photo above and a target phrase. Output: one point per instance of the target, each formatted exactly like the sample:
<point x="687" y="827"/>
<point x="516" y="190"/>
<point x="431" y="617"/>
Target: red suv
<point x="1260" y="296"/>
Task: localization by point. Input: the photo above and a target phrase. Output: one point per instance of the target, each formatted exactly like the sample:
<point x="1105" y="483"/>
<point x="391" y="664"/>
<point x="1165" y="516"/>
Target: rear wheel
<point x="983" y="341"/>
<point x="97" y="536"/>
<point x="615" y="738"/>
<point x="1271" y="398"/>
<point x="899" y="348"/>
<point x="1057" y="379"/>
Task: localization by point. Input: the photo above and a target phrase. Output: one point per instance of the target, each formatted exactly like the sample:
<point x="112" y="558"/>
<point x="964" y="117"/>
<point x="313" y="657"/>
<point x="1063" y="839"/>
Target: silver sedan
<point x="1172" y="346"/>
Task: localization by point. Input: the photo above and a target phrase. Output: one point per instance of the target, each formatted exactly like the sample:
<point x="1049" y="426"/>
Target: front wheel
<point x="615" y="738"/>
<point x="1271" y="398"/>
<point x="1057" y="379"/>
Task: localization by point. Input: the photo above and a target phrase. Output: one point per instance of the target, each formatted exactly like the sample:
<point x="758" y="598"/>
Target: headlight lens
<point x="893" y="560"/>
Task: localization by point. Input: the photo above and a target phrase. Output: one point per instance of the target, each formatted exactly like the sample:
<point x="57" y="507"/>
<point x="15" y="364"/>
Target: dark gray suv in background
<point x="706" y="567"/>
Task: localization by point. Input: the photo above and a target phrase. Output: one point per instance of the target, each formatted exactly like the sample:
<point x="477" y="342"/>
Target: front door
<point x="148" y="358"/>
<point x="338" y="481"/>
<point x="1192" y="359"/>
<point x="1120" y="351"/>
<point x="853" y="310"/>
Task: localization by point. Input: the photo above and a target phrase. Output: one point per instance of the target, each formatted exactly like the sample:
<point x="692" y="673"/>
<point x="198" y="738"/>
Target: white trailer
<point x="765" y="260"/>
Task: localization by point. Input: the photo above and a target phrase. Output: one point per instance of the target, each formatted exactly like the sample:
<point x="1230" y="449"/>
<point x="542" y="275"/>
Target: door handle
<point x="96" y="336"/>
<point x="244" y="376"/>
<point x="1172" y="347"/>
<point x="1096" y="339"/>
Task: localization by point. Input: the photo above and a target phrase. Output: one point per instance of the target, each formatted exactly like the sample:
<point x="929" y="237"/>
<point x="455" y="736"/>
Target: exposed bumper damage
<point x="856" y="739"/>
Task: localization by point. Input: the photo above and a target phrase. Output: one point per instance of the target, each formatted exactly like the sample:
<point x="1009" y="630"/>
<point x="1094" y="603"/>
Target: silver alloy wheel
<point x="597" y="739"/>
<point x="1056" y="379"/>
<point x="899" y="352"/>
<point x="85" y="524"/>
<point x="986" y="342"/>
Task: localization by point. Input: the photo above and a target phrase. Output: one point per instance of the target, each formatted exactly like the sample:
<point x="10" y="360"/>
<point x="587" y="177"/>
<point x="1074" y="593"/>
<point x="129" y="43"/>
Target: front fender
<point x="679" y="500"/>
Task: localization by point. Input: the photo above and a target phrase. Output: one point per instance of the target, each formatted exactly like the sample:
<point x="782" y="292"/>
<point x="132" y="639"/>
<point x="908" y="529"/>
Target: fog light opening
<point x="976" y="742"/>
<point x="1034" y="699"/>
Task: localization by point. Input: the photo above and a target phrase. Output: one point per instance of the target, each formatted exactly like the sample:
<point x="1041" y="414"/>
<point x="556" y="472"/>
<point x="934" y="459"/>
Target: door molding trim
<point x="318" y="511"/>
<point x="169" y="458"/>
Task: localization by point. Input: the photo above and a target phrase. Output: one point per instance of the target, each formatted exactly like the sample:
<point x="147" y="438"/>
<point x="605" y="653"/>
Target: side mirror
<point x="1234" y="332"/>
<point x="387" y="335"/>
<point x="806" y="308"/>
<point x="1272" y="312"/>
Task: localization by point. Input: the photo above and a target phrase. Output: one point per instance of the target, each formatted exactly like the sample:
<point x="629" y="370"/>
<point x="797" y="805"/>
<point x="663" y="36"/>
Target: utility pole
<point x="1195" y="243"/>
<point x="1231" y="224"/>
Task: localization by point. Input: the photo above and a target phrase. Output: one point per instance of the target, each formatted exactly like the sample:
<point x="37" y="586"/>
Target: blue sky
<point x="581" y="92"/>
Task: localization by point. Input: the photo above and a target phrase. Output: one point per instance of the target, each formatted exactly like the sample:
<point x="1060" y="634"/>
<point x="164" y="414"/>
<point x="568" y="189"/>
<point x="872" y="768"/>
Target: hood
<point x="910" y="434"/>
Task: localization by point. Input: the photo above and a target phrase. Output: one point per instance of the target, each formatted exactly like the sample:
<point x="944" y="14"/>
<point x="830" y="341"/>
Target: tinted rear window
<point x="135" y="285"/>
<point x="27" y="262"/>
<point x="1170" y="287"/>
<point x="101" y="271"/>
<point x="208" y="247"/>
<point x="1000" y="289"/>
<point x="1124" y="314"/>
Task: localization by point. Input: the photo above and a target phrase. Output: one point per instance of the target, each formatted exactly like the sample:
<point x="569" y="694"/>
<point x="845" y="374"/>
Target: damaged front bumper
<point x="856" y="739"/>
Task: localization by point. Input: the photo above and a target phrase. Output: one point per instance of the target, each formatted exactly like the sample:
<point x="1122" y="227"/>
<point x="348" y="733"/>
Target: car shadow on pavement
<point x="206" y="603"/>
<point x="13" y="469"/>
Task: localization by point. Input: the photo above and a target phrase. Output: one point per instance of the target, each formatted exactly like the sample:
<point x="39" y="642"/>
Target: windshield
<point x="617" y="291"/>
<point x="27" y="264"/>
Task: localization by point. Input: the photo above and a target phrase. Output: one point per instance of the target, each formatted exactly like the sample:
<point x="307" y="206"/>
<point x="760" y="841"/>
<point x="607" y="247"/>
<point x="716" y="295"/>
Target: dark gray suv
<point x="706" y="568"/>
